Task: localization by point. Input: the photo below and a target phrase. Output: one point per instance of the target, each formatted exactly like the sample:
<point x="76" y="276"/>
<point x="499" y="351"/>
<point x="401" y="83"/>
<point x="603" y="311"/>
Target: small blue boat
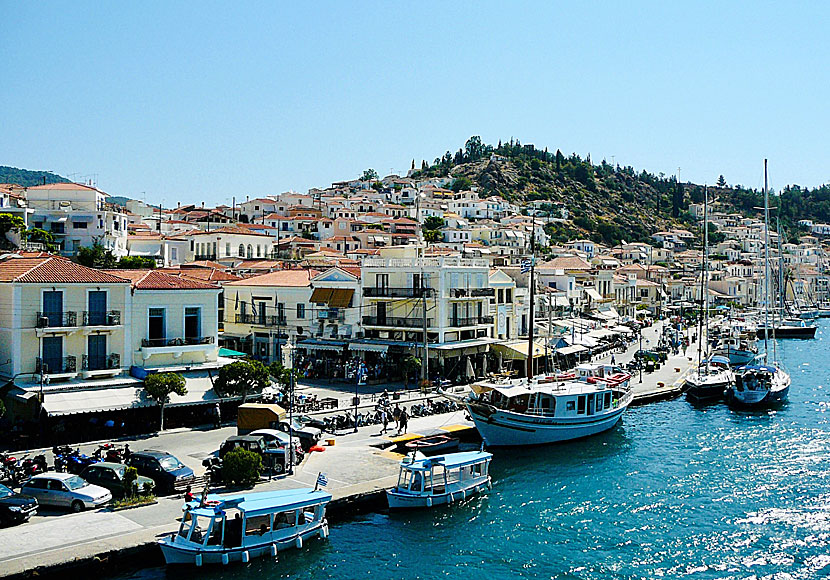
<point x="429" y="481"/>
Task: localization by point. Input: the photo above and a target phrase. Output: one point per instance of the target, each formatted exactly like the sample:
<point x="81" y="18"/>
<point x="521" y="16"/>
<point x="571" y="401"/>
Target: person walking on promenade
<point x="396" y="414"/>
<point x="613" y="360"/>
<point x="404" y="420"/>
<point x="384" y="418"/>
<point x="217" y="416"/>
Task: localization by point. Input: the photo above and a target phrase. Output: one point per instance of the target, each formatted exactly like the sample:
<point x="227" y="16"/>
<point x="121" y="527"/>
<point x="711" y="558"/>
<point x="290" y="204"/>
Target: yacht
<point x="518" y="412"/>
<point x="709" y="381"/>
<point x="788" y="328"/>
<point x="738" y="350"/>
<point x="759" y="385"/>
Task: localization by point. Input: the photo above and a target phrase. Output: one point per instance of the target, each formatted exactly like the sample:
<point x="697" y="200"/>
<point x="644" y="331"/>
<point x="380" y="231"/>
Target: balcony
<point x="100" y="366"/>
<point x="205" y="257"/>
<point x="396" y="322"/>
<point x="176" y="346"/>
<point x="331" y="314"/>
<point x="57" y="319"/>
<point x="472" y="292"/>
<point x="397" y="292"/>
<point x="61" y="368"/>
<point x="470" y="321"/>
<point x="259" y="320"/>
<point x="101" y="318"/>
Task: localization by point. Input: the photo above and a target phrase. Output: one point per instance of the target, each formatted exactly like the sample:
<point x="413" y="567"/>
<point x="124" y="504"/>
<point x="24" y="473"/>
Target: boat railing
<point x="540" y="412"/>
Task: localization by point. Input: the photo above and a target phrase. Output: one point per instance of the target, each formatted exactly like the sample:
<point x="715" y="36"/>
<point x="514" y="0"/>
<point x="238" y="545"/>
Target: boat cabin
<point x="425" y="481"/>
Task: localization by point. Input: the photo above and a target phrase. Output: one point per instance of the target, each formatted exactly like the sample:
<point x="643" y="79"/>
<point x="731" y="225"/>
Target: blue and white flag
<point x="527" y="264"/>
<point x="322" y="480"/>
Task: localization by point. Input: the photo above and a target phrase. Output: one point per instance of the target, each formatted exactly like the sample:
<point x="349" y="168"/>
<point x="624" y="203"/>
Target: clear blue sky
<point x="207" y="100"/>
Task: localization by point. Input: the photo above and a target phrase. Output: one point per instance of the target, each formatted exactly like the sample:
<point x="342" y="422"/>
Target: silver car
<point x="65" y="490"/>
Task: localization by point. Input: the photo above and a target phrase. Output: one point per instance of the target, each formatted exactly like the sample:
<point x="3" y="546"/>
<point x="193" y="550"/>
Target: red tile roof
<point x="281" y="278"/>
<point x="52" y="270"/>
<point x="158" y="280"/>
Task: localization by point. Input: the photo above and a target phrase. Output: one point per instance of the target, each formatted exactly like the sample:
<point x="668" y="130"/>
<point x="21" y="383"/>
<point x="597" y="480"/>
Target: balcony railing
<point x="102" y="317"/>
<point x="396" y="322"/>
<point x="396" y="292"/>
<point x="200" y="257"/>
<point x="258" y="320"/>
<point x="101" y="363"/>
<point x="187" y="341"/>
<point x="471" y="321"/>
<point x="472" y="292"/>
<point x="331" y="314"/>
<point x="67" y="364"/>
<point x="56" y="319"/>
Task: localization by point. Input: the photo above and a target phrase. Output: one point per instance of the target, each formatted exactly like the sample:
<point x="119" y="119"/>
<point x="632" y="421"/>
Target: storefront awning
<point x="518" y="349"/>
<point x="95" y="400"/>
<point x="371" y="345"/>
<point x="593" y="294"/>
<point x="334" y="345"/>
<point x="333" y="297"/>
<point x="575" y="349"/>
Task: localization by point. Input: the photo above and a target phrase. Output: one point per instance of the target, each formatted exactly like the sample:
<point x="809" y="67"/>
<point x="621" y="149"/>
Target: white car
<point x="65" y="490"/>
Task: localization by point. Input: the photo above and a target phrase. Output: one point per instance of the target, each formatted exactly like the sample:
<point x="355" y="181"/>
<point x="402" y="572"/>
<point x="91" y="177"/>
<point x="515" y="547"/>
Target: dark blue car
<point x="170" y="474"/>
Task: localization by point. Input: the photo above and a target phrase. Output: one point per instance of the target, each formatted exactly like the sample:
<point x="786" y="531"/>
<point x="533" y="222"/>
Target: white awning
<point x="602" y="333"/>
<point x="623" y="329"/>
<point x="576" y="348"/>
<point x="593" y="294"/>
<point x="95" y="400"/>
<point x="370" y="347"/>
<point x="562" y="301"/>
<point x="336" y="345"/>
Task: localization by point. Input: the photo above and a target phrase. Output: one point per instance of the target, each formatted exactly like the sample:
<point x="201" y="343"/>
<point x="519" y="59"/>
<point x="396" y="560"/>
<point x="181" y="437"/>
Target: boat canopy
<point x="261" y="502"/>
<point x="764" y="368"/>
<point x="719" y="360"/>
<point x="451" y="461"/>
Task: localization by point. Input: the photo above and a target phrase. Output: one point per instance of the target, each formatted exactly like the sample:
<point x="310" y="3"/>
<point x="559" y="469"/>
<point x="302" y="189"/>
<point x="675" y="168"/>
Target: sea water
<point x="674" y="491"/>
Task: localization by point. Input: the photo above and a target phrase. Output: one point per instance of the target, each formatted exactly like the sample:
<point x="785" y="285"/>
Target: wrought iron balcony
<point x="200" y="257"/>
<point x="259" y="320"/>
<point x="396" y="322"/>
<point x="102" y="317"/>
<point x="187" y="341"/>
<point x="101" y="363"/>
<point x="386" y="292"/>
<point x="471" y="321"/>
<point x="56" y="319"/>
<point x="472" y="292"/>
<point x="67" y="364"/>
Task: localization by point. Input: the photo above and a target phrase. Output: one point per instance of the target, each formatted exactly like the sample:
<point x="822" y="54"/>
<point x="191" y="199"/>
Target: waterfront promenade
<point x="355" y="465"/>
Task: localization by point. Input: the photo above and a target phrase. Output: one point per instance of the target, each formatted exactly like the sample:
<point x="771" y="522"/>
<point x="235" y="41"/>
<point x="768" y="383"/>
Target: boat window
<point x="308" y="514"/>
<point x="599" y="402"/>
<point x="581" y="405"/>
<point x="570" y="406"/>
<point x="417" y="482"/>
<point x="608" y="400"/>
<point x="198" y="527"/>
<point x="284" y="520"/>
<point x="257" y="525"/>
<point x="215" y="537"/>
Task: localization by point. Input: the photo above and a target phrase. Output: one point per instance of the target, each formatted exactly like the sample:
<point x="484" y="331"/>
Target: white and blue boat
<point x="545" y="410"/>
<point x="738" y="350"/>
<point x="757" y="385"/>
<point x="235" y="528"/>
<point x="425" y="482"/>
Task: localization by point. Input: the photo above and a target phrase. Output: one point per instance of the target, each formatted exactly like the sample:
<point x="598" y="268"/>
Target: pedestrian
<point x="126" y="451"/>
<point x="404" y="420"/>
<point x="613" y="360"/>
<point x="217" y="416"/>
<point x="384" y="418"/>
<point x="396" y="414"/>
<point x="188" y="494"/>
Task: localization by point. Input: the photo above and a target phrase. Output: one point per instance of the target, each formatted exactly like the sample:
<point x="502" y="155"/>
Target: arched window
<point x="241" y="250"/>
<point x="250" y="251"/>
<point x="258" y="251"/>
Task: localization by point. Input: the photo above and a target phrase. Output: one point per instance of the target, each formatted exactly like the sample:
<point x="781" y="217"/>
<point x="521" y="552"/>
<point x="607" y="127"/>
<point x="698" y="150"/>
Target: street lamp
<point x="640" y="362"/>
<point x="290" y="347"/>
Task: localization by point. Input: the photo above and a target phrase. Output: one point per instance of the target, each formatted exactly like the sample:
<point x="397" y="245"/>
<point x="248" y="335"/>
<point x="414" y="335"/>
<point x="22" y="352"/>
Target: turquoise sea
<point x="674" y="491"/>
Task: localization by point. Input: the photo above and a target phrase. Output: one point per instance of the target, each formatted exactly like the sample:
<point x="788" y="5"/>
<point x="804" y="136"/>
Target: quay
<point x="359" y="467"/>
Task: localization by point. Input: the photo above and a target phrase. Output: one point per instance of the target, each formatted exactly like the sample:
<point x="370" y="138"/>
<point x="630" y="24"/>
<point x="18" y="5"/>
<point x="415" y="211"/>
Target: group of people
<point x="398" y="414"/>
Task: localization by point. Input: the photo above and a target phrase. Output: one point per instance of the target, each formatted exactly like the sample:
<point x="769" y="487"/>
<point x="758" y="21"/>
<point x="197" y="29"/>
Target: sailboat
<point x="762" y="384"/>
<point x="712" y="376"/>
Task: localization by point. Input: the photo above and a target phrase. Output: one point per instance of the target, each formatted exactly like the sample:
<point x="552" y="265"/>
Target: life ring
<point x="212" y="503"/>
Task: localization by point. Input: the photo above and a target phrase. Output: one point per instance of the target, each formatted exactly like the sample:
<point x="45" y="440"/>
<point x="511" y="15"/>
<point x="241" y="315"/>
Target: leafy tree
<point x="159" y="387"/>
<point x="411" y="364"/>
<point x="10" y="223"/>
<point x="432" y="236"/>
<point x="41" y="236"/>
<point x="241" y="467"/>
<point x="96" y="256"/>
<point x="721" y="181"/>
<point x="474" y="149"/>
<point x="136" y="263"/>
<point x="241" y="378"/>
<point x="461" y="184"/>
<point x="369" y="175"/>
<point x="130" y="476"/>
<point x="433" y="222"/>
<point x="281" y="373"/>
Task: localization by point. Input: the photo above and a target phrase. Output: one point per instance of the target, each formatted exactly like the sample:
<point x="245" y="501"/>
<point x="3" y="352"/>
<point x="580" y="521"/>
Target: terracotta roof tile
<point x="158" y="280"/>
<point x="52" y="270"/>
<point x="283" y="278"/>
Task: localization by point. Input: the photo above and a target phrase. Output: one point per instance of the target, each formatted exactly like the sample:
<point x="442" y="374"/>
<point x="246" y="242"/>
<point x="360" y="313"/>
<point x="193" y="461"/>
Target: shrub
<point x="130" y="475"/>
<point x="241" y="467"/>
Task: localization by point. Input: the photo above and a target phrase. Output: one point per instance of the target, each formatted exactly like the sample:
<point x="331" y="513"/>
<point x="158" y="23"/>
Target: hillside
<point x="28" y="178"/>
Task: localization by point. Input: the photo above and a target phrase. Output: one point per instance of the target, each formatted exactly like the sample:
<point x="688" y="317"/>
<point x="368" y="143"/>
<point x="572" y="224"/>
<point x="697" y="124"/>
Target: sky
<point x="190" y="102"/>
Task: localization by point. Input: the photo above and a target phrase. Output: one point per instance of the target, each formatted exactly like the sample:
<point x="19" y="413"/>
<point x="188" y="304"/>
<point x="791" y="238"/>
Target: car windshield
<point x="170" y="463"/>
<point x="119" y="471"/>
<point x="75" y="482"/>
<point x="5" y="491"/>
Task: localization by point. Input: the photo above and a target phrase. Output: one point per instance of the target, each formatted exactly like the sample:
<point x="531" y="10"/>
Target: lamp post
<point x="640" y="362"/>
<point x="290" y="470"/>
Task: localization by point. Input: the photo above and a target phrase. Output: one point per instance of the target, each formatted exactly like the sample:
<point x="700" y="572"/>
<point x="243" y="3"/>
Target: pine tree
<point x="721" y="181"/>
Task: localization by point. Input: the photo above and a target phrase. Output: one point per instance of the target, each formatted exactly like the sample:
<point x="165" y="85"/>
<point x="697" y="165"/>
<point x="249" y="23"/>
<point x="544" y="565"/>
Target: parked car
<point x="308" y="436"/>
<point x="278" y="439"/>
<point x="111" y="476"/>
<point x="170" y="474"/>
<point x="65" y="490"/>
<point x="15" y="508"/>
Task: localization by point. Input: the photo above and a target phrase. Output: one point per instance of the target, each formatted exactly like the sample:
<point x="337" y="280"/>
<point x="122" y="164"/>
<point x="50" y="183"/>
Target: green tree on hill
<point x="369" y="175"/>
<point x="721" y="181"/>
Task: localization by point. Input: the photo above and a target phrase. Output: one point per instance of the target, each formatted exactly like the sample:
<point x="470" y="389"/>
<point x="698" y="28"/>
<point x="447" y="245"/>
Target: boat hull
<point x="176" y="554"/>
<point x="504" y="429"/>
<point x="403" y="501"/>
<point x="790" y="332"/>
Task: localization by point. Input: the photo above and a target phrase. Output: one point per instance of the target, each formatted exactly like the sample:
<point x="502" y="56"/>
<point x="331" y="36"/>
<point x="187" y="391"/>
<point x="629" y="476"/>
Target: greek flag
<point x="527" y="263"/>
<point x="322" y="480"/>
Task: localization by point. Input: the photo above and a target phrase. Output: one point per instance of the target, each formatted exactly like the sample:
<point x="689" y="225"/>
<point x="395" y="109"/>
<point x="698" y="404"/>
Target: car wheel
<point x="278" y="467"/>
<point x="77" y="506"/>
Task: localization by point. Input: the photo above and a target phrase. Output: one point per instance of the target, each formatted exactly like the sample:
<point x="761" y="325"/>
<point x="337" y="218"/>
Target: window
<point x="284" y="520"/>
<point x="300" y="310"/>
<point x="508" y="295"/>
<point x="228" y="249"/>
<point x="39" y="225"/>
<point x="257" y="525"/>
<point x="281" y="313"/>
<point x="192" y="322"/>
<point x="241" y="250"/>
<point x="174" y="254"/>
<point x="501" y="296"/>
<point x="79" y="225"/>
<point x="155" y="324"/>
<point x="580" y="405"/>
<point x="570" y="406"/>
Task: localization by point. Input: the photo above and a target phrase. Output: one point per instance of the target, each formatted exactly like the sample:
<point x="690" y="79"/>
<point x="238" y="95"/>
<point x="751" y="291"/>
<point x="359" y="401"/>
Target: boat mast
<point x="766" y="262"/>
<point x="532" y="298"/>
<point x="703" y="286"/>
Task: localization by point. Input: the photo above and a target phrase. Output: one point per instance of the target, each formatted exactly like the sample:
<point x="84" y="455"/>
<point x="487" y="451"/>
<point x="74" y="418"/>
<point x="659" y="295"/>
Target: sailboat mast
<point x="703" y="286"/>
<point x="766" y="262"/>
<point x="532" y="298"/>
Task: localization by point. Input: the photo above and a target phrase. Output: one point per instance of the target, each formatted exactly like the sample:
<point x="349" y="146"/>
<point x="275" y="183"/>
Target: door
<point x="454" y="314"/>
<point x="58" y="494"/>
<point x="381" y="313"/>
<point x="97" y="308"/>
<point x="52" y="354"/>
<point x="192" y="325"/>
<point x="96" y="352"/>
<point x="155" y="326"/>
<point x="53" y="307"/>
